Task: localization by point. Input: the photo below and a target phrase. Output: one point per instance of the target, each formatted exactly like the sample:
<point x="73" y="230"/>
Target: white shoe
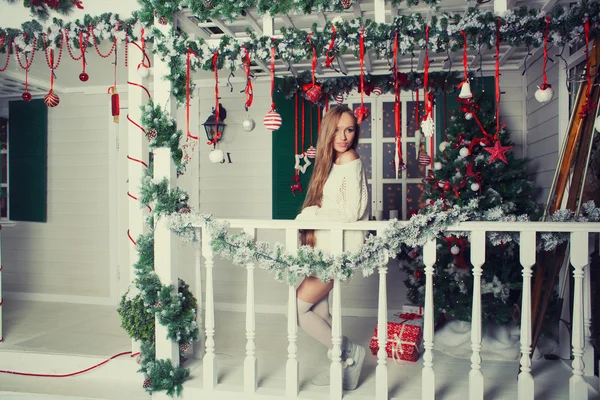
<point x="355" y="356"/>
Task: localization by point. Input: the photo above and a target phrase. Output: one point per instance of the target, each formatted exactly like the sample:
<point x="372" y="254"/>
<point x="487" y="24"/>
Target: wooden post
<point x="428" y="374"/>
<point x="336" y="372"/>
<point x="250" y="363"/>
<point x="209" y="361"/>
<point x="165" y="259"/>
<point x="198" y="285"/>
<point x="291" y="366"/>
<point x="579" y="258"/>
<point x="137" y="149"/>
<point x="381" y="372"/>
<point x="477" y="259"/>
<point x="525" y="380"/>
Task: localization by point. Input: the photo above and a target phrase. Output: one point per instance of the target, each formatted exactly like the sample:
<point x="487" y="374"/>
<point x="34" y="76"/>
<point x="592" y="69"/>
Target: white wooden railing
<point x="579" y="241"/>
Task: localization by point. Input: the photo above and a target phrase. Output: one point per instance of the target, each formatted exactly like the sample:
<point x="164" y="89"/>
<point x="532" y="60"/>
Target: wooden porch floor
<point x="77" y="336"/>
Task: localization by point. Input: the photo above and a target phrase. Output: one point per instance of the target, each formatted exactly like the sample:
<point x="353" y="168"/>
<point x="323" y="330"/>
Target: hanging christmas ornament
<point x="437" y="165"/>
<point x="163" y="20"/>
<point x="183" y="347"/>
<point x="443" y="146"/>
<point x="248" y="124"/>
<point x="399" y="164"/>
<point x="311" y="152"/>
<point x="475" y="186"/>
<point x="299" y="159"/>
<point x="339" y="98"/>
<point x="424" y="158"/>
<point x="428" y="126"/>
<point x="147" y="383"/>
<point x="377" y="91"/>
<point x="114" y="102"/>
<point x="465" y="86"/>
<point x="498" y="152"/>
<point x="51" y="99"/>
<point x="545" y="93"/>
<point x="216" y="156"/>
<point x="455" y="250"/>
<point x="297" y="186"/>
<point x="362" y="111"/>
<point x="151" y="134"/>
<point x="272" y="120"/>
<point x="347" y="4"/>
<point x="26" y="96"/>
<point x="464" y="152"/>
<point x="418" y="274"/>
<point x="469" y="116"/>
<point x="84" y="77"/>
<point x="313" y="92"/>
<point x="447" y="186"/>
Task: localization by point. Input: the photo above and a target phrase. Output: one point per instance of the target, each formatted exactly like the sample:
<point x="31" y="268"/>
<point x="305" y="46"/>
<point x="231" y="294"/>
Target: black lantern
<point x="215" y="129"/>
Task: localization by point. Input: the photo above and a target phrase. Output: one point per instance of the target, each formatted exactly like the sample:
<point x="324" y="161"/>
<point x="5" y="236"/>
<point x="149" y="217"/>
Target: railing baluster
<point x="428" y="374"/>
<point x="336" y="372"/>
<point x="477" y="259"/>
<point x="381" y="372"/>
<point x="588" y="350"/>
<point x="527" y="254"/>
<point x="291" y="366"/>
<point x="250" y="363"/>
<point x="579" y="258"/>
<point x="209" y="361"/>
<point x="197" y="346"/>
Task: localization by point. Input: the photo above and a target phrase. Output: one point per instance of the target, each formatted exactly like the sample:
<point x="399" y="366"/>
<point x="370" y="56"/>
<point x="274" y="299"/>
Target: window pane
<point x="4" y="167"/>
<point x="3" y="203"/>
<point x="411" y="115"/>
<point x="389" y="127"/>
<point x="413" y="169"/>
<point x="414" y="198"/>
<point x="392" y="199"/>
<point x="365" y="126"/>
<point x="364" y="151"/>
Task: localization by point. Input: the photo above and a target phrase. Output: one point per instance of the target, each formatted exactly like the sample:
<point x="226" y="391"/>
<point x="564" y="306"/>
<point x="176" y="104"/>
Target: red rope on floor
<point x="65" y="375"/>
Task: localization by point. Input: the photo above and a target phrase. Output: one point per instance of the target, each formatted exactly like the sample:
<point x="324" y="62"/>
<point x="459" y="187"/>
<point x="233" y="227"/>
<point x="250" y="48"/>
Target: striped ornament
<point x="311" y="152"/>
<point x="339" y="98"/>
<point x="424" y="158"/>
<point x="51" y="99"/>
<point x="377" y="91"/>
<point x="272" y="120"/>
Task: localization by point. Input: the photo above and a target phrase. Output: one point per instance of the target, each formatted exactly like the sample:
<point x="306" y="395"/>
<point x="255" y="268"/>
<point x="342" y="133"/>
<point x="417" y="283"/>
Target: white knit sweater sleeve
<point x="350" y="200"/>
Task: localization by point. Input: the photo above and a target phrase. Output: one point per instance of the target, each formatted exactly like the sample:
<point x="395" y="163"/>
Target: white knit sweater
<point x="345" y="199"/>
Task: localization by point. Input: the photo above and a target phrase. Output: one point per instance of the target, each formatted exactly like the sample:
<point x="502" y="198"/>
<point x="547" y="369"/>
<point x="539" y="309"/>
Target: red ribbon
<point x="461" y="243"/>
<point x="362" y="62"/>
<point x="249" y="89"/>
<point x="272" y="76"/>
<point x="296" y="121"/>
<point x="397" y="110"/>
<point x="329" y="59"/>
<point x="303" y="128"/>
<point x="545" y="84"/>
<point x="314" y="58"/>
<point x="216" y="135"/>
<point x="319" y="121"/>
<point x="497" y="79"/>
<point x="428" y="99"/>
<point x="408" y="317"/>
<point x="465" y="63"/>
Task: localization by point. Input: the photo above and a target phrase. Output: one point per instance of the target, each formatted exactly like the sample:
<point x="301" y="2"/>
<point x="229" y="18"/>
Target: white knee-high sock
<point x="313" y="324"/>
<point x="321" y="308"/>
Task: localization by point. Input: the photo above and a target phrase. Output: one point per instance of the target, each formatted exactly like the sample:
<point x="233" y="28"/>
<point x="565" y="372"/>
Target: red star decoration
<point x="498" y="152"/>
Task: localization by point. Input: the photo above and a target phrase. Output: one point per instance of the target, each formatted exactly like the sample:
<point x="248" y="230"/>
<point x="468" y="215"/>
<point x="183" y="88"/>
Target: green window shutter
<point x="285" y="204"/>
<point x="28" y="160"/>
<point x="477" y="86"/>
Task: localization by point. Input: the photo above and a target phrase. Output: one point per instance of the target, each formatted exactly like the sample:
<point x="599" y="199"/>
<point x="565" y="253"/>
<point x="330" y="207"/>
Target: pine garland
<point x="41" y="9"/>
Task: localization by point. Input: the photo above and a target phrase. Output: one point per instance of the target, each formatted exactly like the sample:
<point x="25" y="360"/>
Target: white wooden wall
<point x="67" y="258"/>
<point x="542" y="127"/>
<point x="511" y="108"/>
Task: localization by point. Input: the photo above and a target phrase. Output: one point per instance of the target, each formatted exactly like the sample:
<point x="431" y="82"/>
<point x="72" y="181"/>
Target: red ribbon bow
<point x="408" y="316"/>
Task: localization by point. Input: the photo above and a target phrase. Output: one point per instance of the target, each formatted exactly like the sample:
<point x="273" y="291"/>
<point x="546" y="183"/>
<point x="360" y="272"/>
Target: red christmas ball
<point x="84" y="77"/>
<point x="26" y="96"/>
<point x="51" y="99"/>
<point x="418" y="274"/>
<point x="447" y="186"/>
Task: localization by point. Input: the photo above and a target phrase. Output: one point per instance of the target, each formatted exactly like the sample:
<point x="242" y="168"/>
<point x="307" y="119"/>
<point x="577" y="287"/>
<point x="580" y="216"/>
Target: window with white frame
<point x="4" y="168"/>
<point x="377" y="149"/>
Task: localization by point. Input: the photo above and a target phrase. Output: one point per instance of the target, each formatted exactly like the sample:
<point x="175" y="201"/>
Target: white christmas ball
<point x="143" y="72"/>
<point x="597" y="124"/>
<point x="443" y="146"/>
<point x="544" y="95"/>
<point x="464" y="152"/>
<point x="454" y="250"/>
<point x="437" y="165"/>
<point x="216" y="156"/>
<point x="441" y="184"/>
<point x="248" y="124"/>
<point x="469" y="116"/>
<point x="474" y="187"/>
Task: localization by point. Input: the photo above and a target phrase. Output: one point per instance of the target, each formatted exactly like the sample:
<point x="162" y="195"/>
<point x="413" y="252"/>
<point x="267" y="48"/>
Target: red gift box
<point x="404" y="337"/>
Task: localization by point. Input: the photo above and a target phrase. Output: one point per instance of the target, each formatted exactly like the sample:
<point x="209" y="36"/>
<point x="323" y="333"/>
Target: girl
<point x="338" y="193"/>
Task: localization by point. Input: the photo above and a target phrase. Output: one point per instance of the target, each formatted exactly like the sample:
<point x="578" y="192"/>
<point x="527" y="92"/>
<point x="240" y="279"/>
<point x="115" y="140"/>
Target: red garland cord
<point x="497" y="79"/>
<point x="66" y="38"/>
<point x="272" y="76"/>
<point x="145" y="59"/>
<point x="249" y="89"/>
<point x="114" y="45"/>
<point x="73" y="373"/>
<point x="465" y="61"/>
<point x="314" y="57"/>
<point x="397" y="105"/>
<point x="303" y="127"/>
<point x="362" y="62"/>
<point x="296" y="130"/>
<point x="140" y="86"/>
<point x="29" y="63"/>
<point x="130" y="238"/>
<point x="319" y="121"/>
<point x="329" y="59"/>
<point x="545" y="85"/>
<point x="311" y="124"/>
<point x="50" y="61"/>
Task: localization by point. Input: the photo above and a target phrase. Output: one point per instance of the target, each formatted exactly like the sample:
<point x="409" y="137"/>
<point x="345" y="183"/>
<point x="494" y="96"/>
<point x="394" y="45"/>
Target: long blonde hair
<point x="323" y="162"/>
